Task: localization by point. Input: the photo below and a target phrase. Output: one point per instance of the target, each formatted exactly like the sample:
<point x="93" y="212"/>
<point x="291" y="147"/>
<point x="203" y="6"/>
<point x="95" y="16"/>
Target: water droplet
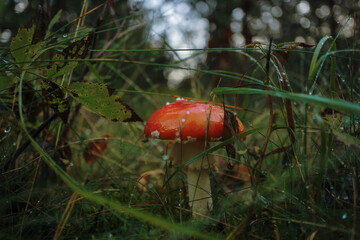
<point x="7" y="130"/>
<point x="344" y="216"/>
<point x="183" y="120"/>
<point x="71" y="164"/>
<point x="179" y="204"/>
<point x="165" y="157"/>
<point x="346" y="197"/>
<point x="65" y="35"/>
<point x="110" y="235"/>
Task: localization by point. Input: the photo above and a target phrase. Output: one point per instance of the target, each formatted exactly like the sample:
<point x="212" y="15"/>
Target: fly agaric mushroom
<point x="193" y="123"/>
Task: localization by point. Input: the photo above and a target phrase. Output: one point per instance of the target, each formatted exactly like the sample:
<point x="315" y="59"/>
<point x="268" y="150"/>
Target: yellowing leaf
<point x="97" y="97"/>
<point x="66" y="60"/>
<point x="56" y="99"/>
<point x="21" y="46"/>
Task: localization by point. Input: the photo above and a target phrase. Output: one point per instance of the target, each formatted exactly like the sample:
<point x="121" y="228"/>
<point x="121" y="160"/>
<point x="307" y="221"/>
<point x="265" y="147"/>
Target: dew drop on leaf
<point x="7" y="130"/>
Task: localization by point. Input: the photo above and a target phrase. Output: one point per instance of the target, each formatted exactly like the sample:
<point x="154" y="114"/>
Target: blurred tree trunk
<point x="221" y="36"/>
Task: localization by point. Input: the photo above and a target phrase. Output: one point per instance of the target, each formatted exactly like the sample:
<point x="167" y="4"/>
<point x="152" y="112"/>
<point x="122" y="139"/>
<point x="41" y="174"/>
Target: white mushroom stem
<point x="197" y="174"/>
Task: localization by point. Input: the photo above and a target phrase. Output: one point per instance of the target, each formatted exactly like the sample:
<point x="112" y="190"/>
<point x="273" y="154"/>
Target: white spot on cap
<point x="177" y="134"/>
<point x="155" y="134"/>
<point x="190" y="139"/>
<point x="216" y="139"/>
<point x="183" y="120"/>
<point x="167" y="103"/>
<point x="179" y="99"/>
<point x="187" y="112"/>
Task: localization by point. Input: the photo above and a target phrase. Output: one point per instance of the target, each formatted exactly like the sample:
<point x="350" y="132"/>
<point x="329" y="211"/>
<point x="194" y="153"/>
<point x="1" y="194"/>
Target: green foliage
<point x="97" y="97"/>
<point x="56" y="99"/>
<point x="66" y="61"/>
<point x="316" y="100"/>
<point x="22" y="48"/>
<point x="300" y="154"/>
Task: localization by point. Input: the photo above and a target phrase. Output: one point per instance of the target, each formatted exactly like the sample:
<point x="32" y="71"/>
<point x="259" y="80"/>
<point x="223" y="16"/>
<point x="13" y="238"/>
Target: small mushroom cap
<point x="188" y="121"/>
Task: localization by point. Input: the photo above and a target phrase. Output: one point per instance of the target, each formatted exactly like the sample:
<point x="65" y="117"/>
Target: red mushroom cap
<point x="188" y="121"/>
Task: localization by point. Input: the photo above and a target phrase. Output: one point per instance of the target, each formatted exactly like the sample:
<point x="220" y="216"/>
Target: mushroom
<point x="191" y="124"/>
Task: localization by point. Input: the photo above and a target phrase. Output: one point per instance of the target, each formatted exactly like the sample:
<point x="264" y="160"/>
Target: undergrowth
<point x="73" y="154"/>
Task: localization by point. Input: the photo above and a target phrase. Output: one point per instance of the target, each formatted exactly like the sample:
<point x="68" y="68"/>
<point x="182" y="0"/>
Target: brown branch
<point x="271" y="117"/>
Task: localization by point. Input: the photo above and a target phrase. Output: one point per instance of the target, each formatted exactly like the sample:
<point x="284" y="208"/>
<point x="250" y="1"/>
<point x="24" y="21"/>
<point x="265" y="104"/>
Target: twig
<point x="271" y="117"/>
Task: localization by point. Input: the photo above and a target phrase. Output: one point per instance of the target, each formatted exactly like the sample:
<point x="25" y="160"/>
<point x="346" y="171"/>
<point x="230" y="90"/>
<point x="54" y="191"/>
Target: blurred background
<point x="190" y="24"/>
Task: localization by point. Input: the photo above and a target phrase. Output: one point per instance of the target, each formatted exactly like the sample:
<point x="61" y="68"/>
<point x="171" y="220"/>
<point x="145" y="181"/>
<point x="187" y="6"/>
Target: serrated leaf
<point x="21" y="48"/>
<point x="97" y="98"/>
<point x="66" y="60"/>
<point x="56" y="98"/>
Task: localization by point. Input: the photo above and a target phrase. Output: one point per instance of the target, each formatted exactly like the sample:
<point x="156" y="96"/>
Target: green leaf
<point x="97" y="97"/>
<point x="21" y="46"/>
<point x="5" y="80"/>
<point x="66" y="60"/>
<point x="339" y="105"/>
<point x="56" y="99"/>
<point x="316" y="63"/>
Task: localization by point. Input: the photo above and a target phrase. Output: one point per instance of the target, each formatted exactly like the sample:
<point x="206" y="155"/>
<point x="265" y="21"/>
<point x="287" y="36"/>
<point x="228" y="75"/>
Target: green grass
<point x="304" y="186"/>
